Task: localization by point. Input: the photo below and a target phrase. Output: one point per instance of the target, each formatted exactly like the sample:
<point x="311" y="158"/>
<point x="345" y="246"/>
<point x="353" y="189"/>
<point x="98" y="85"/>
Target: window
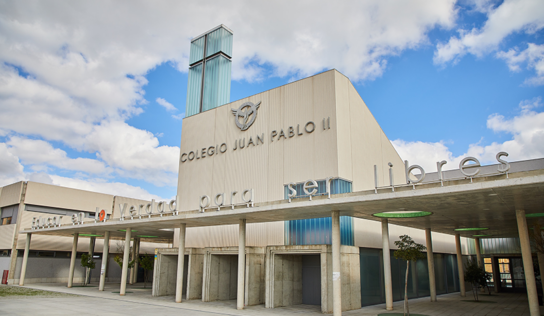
<point x="6" y="220"/>
<point x="488" y="266"/>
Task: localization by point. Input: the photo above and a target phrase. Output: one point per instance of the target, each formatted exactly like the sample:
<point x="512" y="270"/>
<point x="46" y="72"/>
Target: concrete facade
<point x="329" y="132"/>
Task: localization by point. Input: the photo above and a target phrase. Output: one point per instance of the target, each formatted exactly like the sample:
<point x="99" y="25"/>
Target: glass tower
<point x="209" y="70"/>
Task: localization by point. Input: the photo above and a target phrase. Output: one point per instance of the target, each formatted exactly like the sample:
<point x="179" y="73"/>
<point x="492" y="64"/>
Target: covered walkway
<point x="139" y="301"/>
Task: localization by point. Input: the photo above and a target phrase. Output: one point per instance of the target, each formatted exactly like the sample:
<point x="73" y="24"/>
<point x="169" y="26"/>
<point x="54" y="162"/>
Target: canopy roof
<point x="489" y="201"/>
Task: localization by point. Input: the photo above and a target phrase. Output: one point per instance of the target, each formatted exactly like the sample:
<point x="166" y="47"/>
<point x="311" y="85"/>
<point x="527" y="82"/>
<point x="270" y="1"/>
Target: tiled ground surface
<point x="140" y="302"/>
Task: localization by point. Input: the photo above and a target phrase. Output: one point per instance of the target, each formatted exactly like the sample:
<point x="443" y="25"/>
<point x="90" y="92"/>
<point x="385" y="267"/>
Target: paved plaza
<point x="139" y="301"/>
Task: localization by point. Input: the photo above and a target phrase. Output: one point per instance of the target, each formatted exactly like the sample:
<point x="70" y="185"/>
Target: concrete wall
<point x="220" y="274"/>
<point x="287" y="280"/>
<point x="223" y="278"/>
<point x="254" y="281"/>
<point x="11" y="194"/>
<point x="165" y="273"/>
<point x="290" y="267"/>
<point x="194" y="278"/>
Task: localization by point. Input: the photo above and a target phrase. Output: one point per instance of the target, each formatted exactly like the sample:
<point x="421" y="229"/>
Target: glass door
<point x="512" y="276"/>
<point x="504" y="274"/>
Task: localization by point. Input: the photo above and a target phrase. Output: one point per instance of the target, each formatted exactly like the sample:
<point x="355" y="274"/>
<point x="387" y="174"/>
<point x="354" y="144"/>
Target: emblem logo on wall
<point x="245" y="115"/>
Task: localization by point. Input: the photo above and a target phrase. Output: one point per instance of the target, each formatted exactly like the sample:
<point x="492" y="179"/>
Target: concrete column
<point x="387" y="265"/>
<point x="125" y="263"/>
<point x="73" y="261"/>
<point x="460" y="265"/>
<point x="240" y="297"/>
<point x="132" y="257"/>
<point x="25" y="260"/>
<point x="181" y="262"/>
<point x="430" y="264"/>
<point x="540" y="257"/>
<point x="104" y="262"/>
<point x="479" y="257"/>
<point x="336" y="266"/>
<point x="15" y="240"/>
<point x="496" y="275"/>
<point x="528" y="268"/>
<point x="478" y="253"/>
<point x="136" y="252"/>
<point x="92" y="242"/>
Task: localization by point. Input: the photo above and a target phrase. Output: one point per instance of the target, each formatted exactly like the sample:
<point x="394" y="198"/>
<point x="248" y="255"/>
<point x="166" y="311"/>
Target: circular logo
<point x="245" y="115"/>
<point x="101" y="215"/>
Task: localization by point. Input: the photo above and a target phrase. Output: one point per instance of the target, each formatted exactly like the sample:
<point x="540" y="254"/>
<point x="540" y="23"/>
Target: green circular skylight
<point x="480" y="235"/>
<point x="402" y="214"/>
<point x="124" y="230"/>
<point x="90" y="235"/>
<point x="470" y="229"/>
<point x="146" y="236"/>
<point x="535" y="215"/>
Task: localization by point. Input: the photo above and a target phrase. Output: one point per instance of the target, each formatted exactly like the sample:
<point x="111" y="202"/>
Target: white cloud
<point x="533" y="55"/>
<point x="11" y="169"/>
<point x="179" y="116"/>
<point x="167" y="105"/>
<point x="426" y="154"/>
<point x="39" y="152"/>
<point x="509" y="17"/>
<point x="527" y="141"/>
<point x="134" y="153"/>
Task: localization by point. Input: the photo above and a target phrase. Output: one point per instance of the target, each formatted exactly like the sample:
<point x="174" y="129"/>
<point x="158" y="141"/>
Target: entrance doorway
<point x="311" y="280"/>
<point x="511" y="275"/>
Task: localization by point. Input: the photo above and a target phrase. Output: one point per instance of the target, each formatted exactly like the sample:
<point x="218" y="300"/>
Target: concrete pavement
<point x="138" y="301"/>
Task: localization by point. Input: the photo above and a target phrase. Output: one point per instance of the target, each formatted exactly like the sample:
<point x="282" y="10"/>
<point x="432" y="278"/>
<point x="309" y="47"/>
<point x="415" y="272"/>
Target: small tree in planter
<point x="476" y="276"/>
<point x="88" y="263"/>
<point x="146" y="262"/>
<point x="408" y="250"/>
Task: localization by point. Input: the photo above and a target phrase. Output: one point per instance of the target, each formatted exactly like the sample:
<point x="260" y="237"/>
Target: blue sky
<point x="94" y="100"/>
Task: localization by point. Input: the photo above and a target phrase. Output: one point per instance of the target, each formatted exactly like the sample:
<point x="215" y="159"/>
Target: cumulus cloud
<point x="511" y="16"/>
<point x="11" y="170"/>
<point x="39" y="152"/>
<point x="527" y="141"/>
<point x="134" y="153"/>
<point x="425" y="154"/>
<point x="167" y="105"/>
<point x="533" y="56"/>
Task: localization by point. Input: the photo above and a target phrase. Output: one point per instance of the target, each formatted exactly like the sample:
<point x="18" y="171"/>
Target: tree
<point x="119" y="257"/>
<point x="408" y="250"/>
<point x="146" y="262"/>
<point x="476" y="276"/>
<point x="88" y="263"/>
